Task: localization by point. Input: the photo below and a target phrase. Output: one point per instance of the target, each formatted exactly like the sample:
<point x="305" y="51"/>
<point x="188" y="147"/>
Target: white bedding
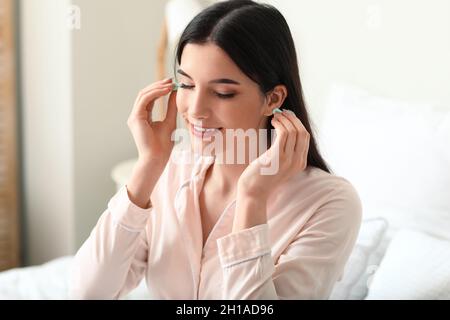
<point x="48" y="281"/>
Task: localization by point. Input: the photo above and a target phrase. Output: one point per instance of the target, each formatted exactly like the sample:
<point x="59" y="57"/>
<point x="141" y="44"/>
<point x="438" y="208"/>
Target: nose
<point x="198" y="107"/>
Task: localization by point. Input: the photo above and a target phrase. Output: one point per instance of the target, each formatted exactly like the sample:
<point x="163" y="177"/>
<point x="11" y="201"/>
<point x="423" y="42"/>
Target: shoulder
<point x="321" y="185"/>
<point x="335" y="189"/>
<point x="341" y="204"/>
<point x="324" y="195"/>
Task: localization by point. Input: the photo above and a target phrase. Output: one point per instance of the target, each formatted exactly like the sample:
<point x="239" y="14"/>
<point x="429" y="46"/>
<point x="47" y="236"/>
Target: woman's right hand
<point x="153" y="138"/>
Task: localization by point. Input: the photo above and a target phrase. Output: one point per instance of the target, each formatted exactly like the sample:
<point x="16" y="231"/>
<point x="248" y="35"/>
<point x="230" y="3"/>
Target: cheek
<point x="181" y="105"/>
<point x="251" y="114"/>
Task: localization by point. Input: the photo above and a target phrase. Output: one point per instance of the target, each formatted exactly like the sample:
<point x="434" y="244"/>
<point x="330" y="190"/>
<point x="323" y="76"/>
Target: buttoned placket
<point x="218" y="228"/>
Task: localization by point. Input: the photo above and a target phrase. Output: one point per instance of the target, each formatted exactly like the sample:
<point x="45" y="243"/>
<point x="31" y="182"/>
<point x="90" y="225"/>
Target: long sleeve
<point x="113" y="260"/>
<point x="307" y="269"/>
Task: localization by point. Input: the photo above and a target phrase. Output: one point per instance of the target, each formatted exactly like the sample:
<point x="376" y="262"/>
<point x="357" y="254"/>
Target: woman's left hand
<point x="291" y="146"/>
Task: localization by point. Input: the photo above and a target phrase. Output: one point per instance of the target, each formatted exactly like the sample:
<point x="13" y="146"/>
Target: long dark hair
<point x="258" y="39"/>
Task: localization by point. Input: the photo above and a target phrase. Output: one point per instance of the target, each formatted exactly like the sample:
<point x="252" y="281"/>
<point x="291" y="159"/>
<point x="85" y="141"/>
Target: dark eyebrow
<point x="223" y="80"/>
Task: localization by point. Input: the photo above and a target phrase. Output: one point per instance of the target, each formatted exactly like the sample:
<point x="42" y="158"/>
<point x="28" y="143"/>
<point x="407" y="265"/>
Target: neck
<point x="224" y="177"/>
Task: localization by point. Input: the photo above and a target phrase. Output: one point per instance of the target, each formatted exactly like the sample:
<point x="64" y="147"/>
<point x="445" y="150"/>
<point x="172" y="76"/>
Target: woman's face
<point x="215" y="94"/>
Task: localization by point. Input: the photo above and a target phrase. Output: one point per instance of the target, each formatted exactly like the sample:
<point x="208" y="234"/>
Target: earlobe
<point x="271" y="106"/>
<point x="272" y="111"/>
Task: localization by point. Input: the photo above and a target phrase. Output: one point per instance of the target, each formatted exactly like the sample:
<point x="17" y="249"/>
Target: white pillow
<point x="363" y="259"/>
<point x="415" y="266"/>
<point x="46" y="281"/>
<point x="395" y="153"/>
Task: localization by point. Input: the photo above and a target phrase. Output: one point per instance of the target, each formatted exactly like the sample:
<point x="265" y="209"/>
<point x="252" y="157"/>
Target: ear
<point x="275" y="99"/>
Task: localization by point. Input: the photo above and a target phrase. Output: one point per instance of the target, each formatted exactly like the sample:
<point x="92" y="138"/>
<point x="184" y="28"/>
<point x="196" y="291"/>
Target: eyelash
<point x="221" y="96"/>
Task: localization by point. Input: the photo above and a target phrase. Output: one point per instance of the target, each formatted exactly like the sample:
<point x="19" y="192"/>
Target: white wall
<point x="78" y="89"/>
<point x="114" y="56"/>
<point x="395" y="48"/>
<point x="47" y="144"/>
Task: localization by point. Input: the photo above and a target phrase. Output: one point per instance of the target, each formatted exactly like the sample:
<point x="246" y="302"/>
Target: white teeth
<point x="199" y="129"/>
<point x="203" y="129"/>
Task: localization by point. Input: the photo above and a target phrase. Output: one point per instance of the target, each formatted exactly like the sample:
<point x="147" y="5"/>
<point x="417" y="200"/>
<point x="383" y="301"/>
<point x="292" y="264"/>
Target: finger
<point x="305" y="152"/>
<point x="156" y="87"/>
<point x="301" y="130"/>
<point x="153" y="94"/>
<point x="274" y="151"/>
<point x="281" y="134"/>
<point x="156" y="84"/>
<point x="302" y="133"/>
<point x="303" y="137"/>
<point x="153" y="86"/>
<point x="291" y="130"/>
<point x="144" y="104"/>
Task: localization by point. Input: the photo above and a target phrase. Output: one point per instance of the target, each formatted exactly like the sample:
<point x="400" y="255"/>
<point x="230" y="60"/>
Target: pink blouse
<point x="313" y="222"/>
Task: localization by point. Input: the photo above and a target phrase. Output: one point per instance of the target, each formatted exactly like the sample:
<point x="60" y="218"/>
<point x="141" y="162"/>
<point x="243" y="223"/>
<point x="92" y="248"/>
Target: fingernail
<point x="289" y="112"/>
<point x="276" y="110"/>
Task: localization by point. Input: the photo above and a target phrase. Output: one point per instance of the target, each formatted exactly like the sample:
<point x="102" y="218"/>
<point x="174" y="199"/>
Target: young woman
<point x="208" y="229"/>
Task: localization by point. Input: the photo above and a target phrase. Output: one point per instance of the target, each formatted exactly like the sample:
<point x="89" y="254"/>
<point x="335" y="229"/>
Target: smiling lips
<point x="203" y="132"/>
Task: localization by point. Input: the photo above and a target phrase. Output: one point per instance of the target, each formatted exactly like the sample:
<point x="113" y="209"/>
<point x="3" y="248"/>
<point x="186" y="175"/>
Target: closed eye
<point x="225" y="96"/>
<point x="184" y="86"/>
<point x="220" y="95"/>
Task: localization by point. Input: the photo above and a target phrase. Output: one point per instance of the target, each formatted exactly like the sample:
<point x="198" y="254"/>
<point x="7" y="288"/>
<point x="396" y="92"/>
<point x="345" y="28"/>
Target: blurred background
<point x="71" y="69"/>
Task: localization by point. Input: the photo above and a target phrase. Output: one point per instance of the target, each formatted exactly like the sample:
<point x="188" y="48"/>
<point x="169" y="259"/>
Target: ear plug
<point x="276" y="110"/>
